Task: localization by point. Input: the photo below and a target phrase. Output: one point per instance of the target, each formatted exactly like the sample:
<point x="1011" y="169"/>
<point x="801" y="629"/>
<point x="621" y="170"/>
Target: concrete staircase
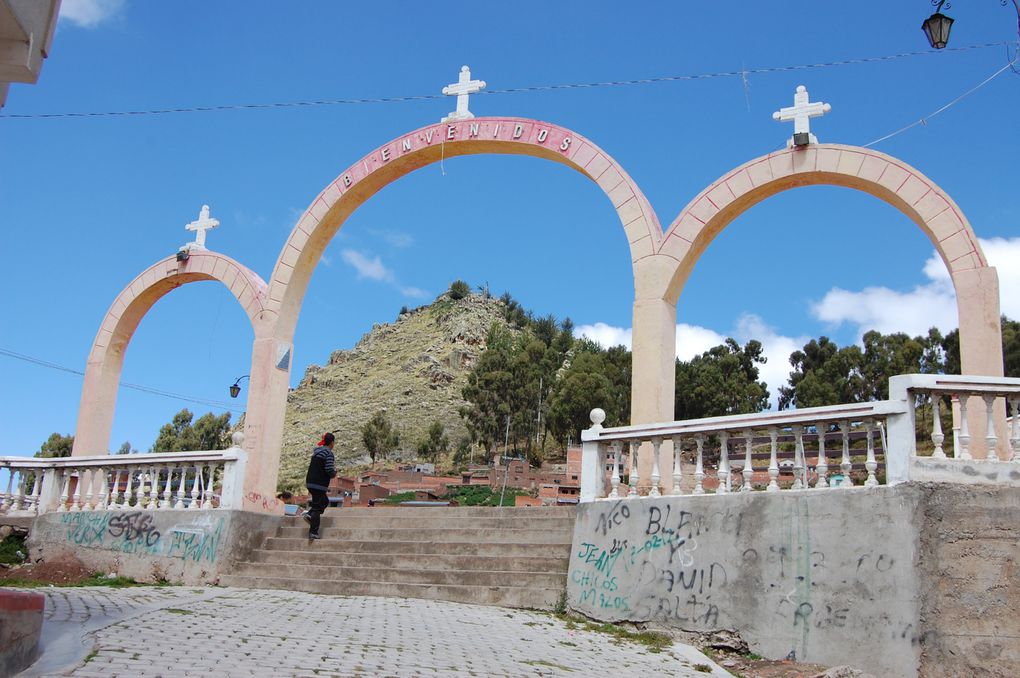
<point x="511" y="557"/>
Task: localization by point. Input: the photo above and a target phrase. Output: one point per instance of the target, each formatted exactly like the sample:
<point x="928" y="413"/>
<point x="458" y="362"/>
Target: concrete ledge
<point x="185" y="546"/>
<point x="971" y="472"/>
<point x="21" y="617"/>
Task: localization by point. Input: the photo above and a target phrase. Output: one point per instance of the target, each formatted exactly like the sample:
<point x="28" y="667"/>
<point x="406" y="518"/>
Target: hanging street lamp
<point x="936" y="28"/>
<point x="235" y="388"/>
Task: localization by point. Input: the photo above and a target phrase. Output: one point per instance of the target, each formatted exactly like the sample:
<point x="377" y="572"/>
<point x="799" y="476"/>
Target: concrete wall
<point x="835" y="577"/>
<point x="188" y="546"/>
<point x="21" y="618"/>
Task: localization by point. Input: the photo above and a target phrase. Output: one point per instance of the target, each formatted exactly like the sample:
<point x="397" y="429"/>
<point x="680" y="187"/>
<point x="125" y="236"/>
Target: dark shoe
<point x="314" y="535"/>
<point x="307" y="516"/>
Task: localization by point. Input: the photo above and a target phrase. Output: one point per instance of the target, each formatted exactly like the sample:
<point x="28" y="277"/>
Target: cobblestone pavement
<point x="191" y="631"/>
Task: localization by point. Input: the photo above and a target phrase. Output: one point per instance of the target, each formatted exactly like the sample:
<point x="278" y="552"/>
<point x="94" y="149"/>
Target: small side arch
<point x="106" y="359"/>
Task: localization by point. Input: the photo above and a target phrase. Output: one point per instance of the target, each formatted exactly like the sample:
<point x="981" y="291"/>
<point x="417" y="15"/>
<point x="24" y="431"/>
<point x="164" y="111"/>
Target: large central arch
<point x="270" y="374"/>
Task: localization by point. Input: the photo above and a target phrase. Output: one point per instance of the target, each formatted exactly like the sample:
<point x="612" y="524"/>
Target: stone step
<point x="532" y="562"/>
<point x="433" y="534"/>
<point x="433" y="518"/>
<point x="404" y="575"/>
<point x="521" y="597"/>
<point x="526" y="512"/>
<point x="507" y="549"/>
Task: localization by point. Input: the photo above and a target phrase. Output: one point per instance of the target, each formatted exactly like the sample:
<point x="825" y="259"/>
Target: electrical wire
<point x="742" y="73"/>
<point x="136" y="387"/>
<point x="925" y="119"/>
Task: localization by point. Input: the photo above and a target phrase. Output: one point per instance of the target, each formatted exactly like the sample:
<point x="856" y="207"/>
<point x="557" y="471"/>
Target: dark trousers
<point x="316" y="506"/>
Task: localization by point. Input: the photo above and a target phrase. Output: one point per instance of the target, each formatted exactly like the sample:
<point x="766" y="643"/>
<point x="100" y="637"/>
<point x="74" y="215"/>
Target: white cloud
<point x="90" y="13"/>
<point x="371" y="268"/>
<point x="926" y="305"/>
<point x="693" y="340"/>
<point x="394" y="238"/>
<point x="374" y="269"/>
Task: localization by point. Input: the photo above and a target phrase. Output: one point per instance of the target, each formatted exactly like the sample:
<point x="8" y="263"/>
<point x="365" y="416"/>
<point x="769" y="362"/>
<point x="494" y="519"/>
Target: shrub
<point x="459" y="289"/>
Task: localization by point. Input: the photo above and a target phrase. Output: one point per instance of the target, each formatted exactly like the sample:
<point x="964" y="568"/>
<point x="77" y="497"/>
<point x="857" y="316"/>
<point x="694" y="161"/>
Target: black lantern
<point x="235" y="388"/>
<point x="936" y="28"/>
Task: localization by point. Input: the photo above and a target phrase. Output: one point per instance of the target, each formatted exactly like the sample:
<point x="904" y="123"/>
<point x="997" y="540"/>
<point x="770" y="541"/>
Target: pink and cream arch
<point x="662" y="262"/>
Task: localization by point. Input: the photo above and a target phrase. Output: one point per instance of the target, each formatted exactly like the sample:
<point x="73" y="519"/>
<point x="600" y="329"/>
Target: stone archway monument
<point x="661" y="261"/>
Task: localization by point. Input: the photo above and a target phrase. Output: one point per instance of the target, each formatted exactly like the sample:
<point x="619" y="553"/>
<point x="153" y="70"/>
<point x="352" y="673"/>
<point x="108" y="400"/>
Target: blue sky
<point x="87" y="203"/>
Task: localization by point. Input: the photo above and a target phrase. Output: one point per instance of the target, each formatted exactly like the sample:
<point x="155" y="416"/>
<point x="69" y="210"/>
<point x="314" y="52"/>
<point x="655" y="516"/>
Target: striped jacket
<point x="321" y="469"/>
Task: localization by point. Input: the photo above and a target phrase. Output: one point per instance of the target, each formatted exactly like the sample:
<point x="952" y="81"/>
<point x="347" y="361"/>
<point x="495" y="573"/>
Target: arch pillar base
<point x="263" y="425"/>
<point x="653" y="379"/>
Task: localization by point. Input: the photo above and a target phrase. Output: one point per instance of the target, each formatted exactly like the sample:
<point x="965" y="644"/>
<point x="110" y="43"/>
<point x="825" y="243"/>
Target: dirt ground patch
<point x="767" y="668"/>
<point x="63" y="572"/>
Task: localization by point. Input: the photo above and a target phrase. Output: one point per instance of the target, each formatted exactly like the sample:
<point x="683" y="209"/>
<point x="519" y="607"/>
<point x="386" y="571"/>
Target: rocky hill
<point x="414" y="368"/>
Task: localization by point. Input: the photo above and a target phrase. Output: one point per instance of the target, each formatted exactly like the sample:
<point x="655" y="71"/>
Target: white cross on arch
<point x="200" y="226"/>
<point x="801" y="112"/>
<point x="461" y="89"/>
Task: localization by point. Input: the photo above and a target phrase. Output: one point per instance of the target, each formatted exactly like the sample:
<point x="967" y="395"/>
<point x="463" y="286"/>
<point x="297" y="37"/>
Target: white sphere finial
<point x="597" y="416"/>
<point x="464" y="69"/>
<point x="237" y="438"/>
<point x="801" y="88"/>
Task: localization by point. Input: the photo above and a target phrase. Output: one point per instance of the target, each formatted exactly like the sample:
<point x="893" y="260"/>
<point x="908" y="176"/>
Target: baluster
<point x="678" y="470"/>
<point x="614" y="479"/>
<point x="6" y="502"/>
<point x="76" y="498"/>
<point x="871" y="465"/>
<point x="168" y="490"/>
<point x="699" y="468"/>
<point x="117" y="493"/>
<point x="991" y="440"/>
<point x="18" y="502"/>
<point x="798" y="458"/>
<point x="179" y="504"/>
<point x="194" y="487"/>
<point x="154" y="488"/>
<point x="103" y="502"/>
<point x="844" y="465"/>
<point x="1014" y="439"/>
<point x="128" y="491"/>
<point x="65" y="474"/>
<point x="207" y="504"/>
<point x="936" y="426"/>
<point x="822" y="468"/>
<point x="140" y="488"/>
<point x="33" y="499"/>
<point x="89" y="489"/>
<point x="773" y="462"/>
<point x="632" y="479"/>
<point x="748" y="470"/>
<point x="656" y="445"/>
<point x="964" y="429"/>
<point x="724" y="464"/>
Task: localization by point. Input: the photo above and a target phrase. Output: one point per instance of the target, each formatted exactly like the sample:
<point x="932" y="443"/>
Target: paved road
<point x="191" y="631"/>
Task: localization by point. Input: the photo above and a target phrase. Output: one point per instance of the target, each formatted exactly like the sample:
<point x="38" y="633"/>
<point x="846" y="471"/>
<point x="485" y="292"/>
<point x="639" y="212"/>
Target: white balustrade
<point x="154" y="482"/>
<point x="780" y="437"/>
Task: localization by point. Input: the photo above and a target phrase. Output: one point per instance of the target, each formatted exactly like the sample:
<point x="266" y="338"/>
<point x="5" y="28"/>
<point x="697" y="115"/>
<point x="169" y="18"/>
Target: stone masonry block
<point x="629" y="211"/>
<point x="739" y="183"/>
<point x="931" y="205"/>
<point x="688" y="227"/>
<point x="597" y="166"/>
<point x="331" y="194"/>
<point x="827" y="160"/>
<point x="297" y="238"/>
<point x="583" y="155"/>
<point x="945" y="224"/>
<point x="850" y="162"/>
<point x="721" y="195"/>
<point x="220" y="268"/>
<point x="912" y="190"/>
<point x="635" y="229"/>
<point x="610" y="179"/>
<point x="290" y="255"/>
<point x="804" y="160"/>
<point x="781" y="164"/>
<point x="319" y="208"/>
<point x="704" y="210"/>
<point x="641" y="248"/>
<point x="760" y="173"/>
<point x="621" y="194"/>
<point x="872" y="168"/>
<point x="675" y="247"/>
<point x="956" y="246"/>
<point x="307" y="223"/>
<point x="893" y="177"/>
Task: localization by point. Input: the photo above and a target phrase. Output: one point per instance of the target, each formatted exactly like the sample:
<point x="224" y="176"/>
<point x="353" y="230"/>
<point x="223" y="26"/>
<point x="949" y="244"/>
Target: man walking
<point x="321" y="469"/>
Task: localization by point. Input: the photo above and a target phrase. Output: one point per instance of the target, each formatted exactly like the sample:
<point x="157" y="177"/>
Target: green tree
<point x="459" y="289"/>
<point x="209" y="432"/>
<point x="591" y="377"/>
<point x="379" y="436"/>
<point x="823" y="374"/>
<point x="435" y="443"/>
<point x="125" y="448"/>
<point x="462" y="455"/>
<point x="56" y="446"/>
<point x="721" y="381"/>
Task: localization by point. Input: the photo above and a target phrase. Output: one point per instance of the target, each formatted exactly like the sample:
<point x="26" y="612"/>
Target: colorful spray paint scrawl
<point x="136" y="533"/>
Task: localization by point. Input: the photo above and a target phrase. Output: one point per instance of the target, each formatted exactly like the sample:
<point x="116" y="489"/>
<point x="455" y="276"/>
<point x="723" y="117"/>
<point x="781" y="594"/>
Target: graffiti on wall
<point x="711" y="569"/>
<point x="136" y="532"/>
